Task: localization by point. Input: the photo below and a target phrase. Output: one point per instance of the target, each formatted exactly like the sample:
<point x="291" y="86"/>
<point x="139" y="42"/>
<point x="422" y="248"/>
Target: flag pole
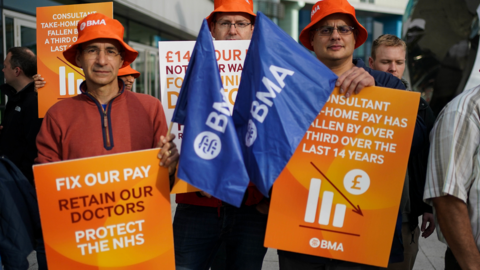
<point x="170" y="129"/>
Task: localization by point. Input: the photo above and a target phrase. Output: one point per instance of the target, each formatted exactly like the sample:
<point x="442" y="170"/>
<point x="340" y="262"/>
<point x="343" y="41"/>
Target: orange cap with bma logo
<point x="324" y="8"/>
<point x="245" y="6"/>
<point x="96" y="26"/>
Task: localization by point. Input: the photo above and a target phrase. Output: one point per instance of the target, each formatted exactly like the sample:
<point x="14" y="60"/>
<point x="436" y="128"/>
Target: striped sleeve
<point x="452" y="164"/>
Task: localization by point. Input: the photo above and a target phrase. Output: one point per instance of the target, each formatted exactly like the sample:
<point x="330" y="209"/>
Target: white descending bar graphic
<point x="79" y="81"/>
<point x="61" y="76"/>
<point x="312" y="200"/>
<point x="326" y="208"/>
<point x="339" y="216"/>
<point x="71" y="84"/>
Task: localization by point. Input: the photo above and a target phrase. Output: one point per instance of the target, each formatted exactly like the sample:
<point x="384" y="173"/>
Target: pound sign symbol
<point x="355" y="182"/>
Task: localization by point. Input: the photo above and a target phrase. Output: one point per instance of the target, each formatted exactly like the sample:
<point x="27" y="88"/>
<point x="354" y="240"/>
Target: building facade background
<point x="148" y="21"/>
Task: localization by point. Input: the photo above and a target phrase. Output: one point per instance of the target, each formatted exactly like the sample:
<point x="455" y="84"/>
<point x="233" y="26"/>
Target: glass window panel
<point x="441" y="51"/>
<point x="139" y="65"/>
<point x="29" y="38"/>
<point x="30" y="6"/>
<point x="143" y="34"/>
<point x="9" y="33"/>
<point x="123" y="21"/>
<point x="152" y="74"/>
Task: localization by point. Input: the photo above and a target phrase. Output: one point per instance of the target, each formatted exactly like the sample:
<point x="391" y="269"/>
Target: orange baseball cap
<point x="128" y="71"/>
<point x="245" y="6"/>
<point x="324" y="8"/>
<point x="96" y="26"/>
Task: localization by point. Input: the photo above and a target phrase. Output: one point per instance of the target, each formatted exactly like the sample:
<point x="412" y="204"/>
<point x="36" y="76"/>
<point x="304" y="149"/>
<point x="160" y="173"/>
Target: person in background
<point x="388" y="55"/>
<point x="128" y="75"/>
<point x="20" y="123"/>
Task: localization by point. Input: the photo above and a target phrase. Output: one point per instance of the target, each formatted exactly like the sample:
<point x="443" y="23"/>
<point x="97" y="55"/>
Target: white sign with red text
<point x="174" y="57"/>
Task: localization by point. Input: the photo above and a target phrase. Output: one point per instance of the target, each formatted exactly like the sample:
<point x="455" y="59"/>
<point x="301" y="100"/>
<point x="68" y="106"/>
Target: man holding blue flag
<point x="333" y="34"/>
<point x="203" y="223"/>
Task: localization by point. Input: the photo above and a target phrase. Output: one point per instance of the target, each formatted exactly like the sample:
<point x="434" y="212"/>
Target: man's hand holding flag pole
<point x="283" y="89"/>
<point x="211" y="158"/>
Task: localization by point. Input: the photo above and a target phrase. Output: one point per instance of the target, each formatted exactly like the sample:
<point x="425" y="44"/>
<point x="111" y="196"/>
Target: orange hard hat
<point x="245" y="6"/>
<point x="325" y="8"/>
<point x="96" y="26"/>
<point x="128" y="71"/>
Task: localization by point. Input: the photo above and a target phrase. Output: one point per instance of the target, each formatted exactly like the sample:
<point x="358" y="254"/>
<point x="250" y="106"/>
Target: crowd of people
<point x="443" y="167"/>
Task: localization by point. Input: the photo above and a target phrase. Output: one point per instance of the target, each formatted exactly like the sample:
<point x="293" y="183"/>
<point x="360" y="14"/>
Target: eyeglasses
<point x="92" y="53"/>
<point x="228" y="25"/>
<point x="328" y="30"/>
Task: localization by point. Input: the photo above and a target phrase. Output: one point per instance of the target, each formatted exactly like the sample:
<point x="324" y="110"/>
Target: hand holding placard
<point x="100" y="210"/>
<point x="341" y="189"/>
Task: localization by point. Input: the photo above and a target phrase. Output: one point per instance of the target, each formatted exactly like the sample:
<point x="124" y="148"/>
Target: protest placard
<point x="174" y="57"/>
<point x="56" y="32"/>
<point x="106" y="212"/>
<point x="339" y="195"/>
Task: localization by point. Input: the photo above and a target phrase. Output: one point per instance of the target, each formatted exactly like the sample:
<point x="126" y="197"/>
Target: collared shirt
<point x="454" y="161"/>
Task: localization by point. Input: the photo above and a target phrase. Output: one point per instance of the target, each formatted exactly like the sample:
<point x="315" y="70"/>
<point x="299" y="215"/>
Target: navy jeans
<point x="199" y="231"/>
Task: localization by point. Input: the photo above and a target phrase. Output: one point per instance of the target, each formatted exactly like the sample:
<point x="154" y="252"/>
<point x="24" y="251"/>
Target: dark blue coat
<point x="20" y="230"/>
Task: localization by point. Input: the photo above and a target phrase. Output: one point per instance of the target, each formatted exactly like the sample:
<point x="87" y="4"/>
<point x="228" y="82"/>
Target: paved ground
<point x="430" y="255"/>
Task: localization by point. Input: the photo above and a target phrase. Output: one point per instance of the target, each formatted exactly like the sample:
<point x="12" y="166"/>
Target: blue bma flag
<point x="283" y="89"/>
<point x="211" y="157"/>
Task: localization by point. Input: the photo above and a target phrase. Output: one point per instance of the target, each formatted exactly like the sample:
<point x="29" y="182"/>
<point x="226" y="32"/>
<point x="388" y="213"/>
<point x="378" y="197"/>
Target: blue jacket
<point x="20" y="230"/>
<point x="420" y="136"/>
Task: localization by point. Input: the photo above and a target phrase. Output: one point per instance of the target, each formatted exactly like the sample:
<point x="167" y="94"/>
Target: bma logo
<point x="251" y="133"/>
<point x="314" y="242"/>
<point x="207" y="145"/>
<point x="92" y="23"/>
<point x="324" y="244"/>
<point x="315" y="9"/>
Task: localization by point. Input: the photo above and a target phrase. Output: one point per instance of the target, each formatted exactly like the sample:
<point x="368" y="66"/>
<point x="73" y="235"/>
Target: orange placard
<point x="339" y="195"/>
<point x="107" y="212"/>
<point x="56" y="31"/>
<point x="180" y="186"/>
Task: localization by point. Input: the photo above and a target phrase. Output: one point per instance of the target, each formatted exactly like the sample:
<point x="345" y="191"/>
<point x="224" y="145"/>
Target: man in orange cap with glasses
<point x="104" y="119"/>
<point x="333" y="34"/>
<point x="203" y="223"/>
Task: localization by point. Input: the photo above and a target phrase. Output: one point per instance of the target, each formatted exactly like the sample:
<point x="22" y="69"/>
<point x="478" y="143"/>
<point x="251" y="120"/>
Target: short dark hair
<point x="25" y="59"/>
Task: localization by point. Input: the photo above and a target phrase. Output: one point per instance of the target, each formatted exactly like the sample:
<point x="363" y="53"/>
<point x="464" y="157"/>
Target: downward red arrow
<point x="355" y="209"/>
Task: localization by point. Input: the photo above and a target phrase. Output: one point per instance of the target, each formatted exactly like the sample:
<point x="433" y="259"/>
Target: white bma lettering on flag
<point x="207" y="144"/>
<point x="259" y="108"/>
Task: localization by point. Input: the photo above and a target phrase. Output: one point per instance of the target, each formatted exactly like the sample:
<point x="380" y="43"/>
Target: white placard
<point x="174" y="57"/>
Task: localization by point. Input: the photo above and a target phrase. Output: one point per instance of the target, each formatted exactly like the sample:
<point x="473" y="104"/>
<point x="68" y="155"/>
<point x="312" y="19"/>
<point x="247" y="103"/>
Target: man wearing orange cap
<point x="388" y="55"/>
<point x="333" y="34"/>
<point x="104" y="119"/>
<point x="202" y="223"/>
<point x="128" y="75"/>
